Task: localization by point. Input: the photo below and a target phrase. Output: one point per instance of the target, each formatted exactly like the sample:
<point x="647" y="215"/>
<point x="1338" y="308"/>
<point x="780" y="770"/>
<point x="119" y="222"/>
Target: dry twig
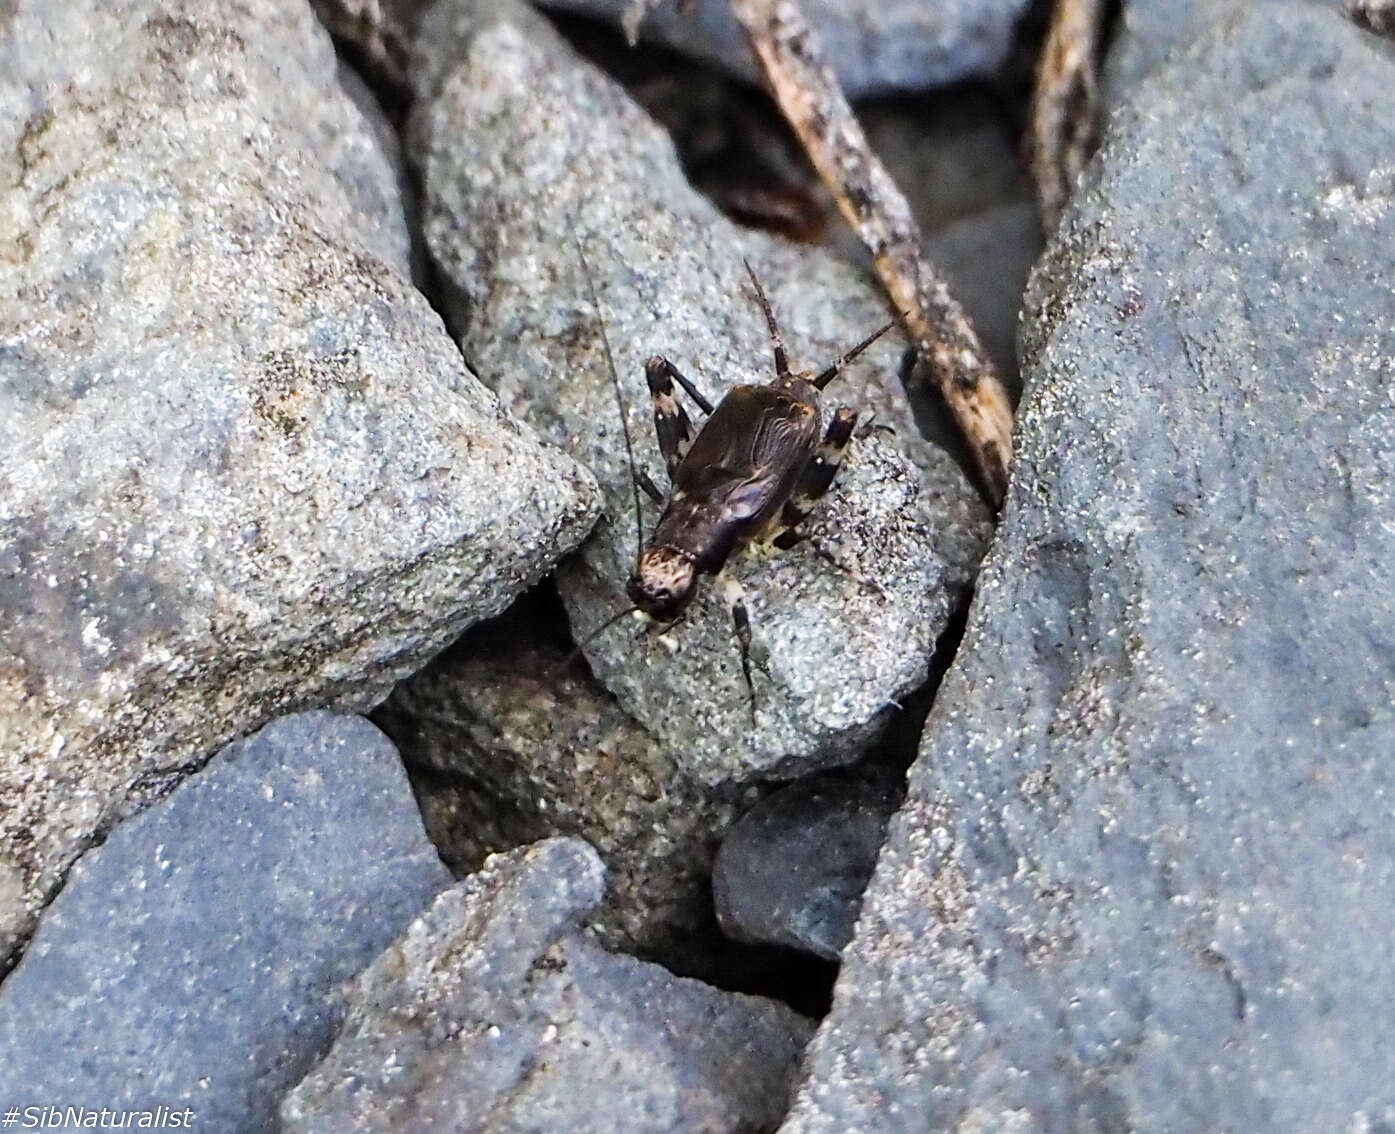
<point x="1065" y="104"/>
<point x="813" y="102"/>
<point x="1375" y="15"/>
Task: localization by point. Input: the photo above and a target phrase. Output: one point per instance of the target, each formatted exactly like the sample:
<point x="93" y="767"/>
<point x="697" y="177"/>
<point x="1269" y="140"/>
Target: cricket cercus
<point x="749" y="476"/>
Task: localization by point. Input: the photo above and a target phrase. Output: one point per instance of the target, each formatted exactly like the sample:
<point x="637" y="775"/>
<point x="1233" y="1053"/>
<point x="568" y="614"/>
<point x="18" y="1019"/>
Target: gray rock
<point x="954" y="153"/>
<point x="1145" y="875"/>
<point x="523" y="136"/>
<point x="875" y="46"/>
<point x="986" y="258"/>
<point x="194" y="959"/>
<point x="1148" y="31"/>
<point x="792" y="870"/>
<point x="407" y="255"/>
<point x="242" y="468"/>
<point x="522" y="746"/>
<point x="495" y="1013"/>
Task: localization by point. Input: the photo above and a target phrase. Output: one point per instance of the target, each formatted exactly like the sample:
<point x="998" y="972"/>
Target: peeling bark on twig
<point x="1065" y="104"/>
<point x="1374" y="15"/>
<point x="813" y="102"/>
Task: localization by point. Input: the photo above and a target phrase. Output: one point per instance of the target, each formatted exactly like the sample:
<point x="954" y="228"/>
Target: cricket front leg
<point x="671" y="421"/>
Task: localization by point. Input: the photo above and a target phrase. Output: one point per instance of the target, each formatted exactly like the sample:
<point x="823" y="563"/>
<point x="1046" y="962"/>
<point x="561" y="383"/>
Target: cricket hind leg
<point x="817" y="479"/>
<point x="735" y="598"/>
<point x="671" y="421"/>
<point x="649" y="488"/>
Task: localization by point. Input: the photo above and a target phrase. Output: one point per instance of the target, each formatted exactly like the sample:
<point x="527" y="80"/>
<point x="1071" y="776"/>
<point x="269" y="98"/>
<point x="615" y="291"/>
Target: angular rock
<point x="495" y="1012"/>
<point x="195" y="958"/>
<point x="407" y="256"/>
<point x="522" y="145"/>
<point x="1145" y="875"/>
<point x="792" y="870"/>
<point x="242" y="468"/>
<point x="523" y="746"/>
<point x="875" y="46"/>
<point x="1148" y="31"/>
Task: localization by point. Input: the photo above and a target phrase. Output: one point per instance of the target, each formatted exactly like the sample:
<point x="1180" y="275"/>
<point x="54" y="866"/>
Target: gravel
<point x="195" y="958"/>
<point x="242" y="467"/>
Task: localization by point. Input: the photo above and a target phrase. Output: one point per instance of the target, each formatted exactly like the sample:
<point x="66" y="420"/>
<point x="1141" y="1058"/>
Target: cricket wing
<point x="749" y="455"/>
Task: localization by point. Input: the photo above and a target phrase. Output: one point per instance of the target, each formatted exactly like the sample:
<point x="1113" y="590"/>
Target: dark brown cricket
<point x="753" y="472"/>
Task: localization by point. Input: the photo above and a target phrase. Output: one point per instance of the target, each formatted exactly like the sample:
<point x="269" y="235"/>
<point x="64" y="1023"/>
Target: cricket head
<point x="664" y="582"/>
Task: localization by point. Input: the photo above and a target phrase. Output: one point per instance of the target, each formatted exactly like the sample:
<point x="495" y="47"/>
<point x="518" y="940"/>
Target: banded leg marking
<point x="687" y="384"/>
<point x="735" y="599"/>
<point x="818" y="477"/>
<point x="670" y="419"/>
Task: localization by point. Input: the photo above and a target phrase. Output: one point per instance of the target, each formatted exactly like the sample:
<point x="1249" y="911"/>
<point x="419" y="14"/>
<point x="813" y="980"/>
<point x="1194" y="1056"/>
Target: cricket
<point x="747" y="478"/>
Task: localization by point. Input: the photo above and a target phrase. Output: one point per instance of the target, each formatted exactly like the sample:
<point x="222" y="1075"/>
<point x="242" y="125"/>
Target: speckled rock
<point x="1148" y="31"/>
<point x="494" y="1012"/>
<point x="520" y="746"/>
<point x="242" y="468"/>
<point x="1145" y="875"/>
<point x="407" y="253"/>
<point x="523" y="137"/>
<point x="792" y="870"/>
<point x="875" y="46"/>
<point x="195" y="958"/>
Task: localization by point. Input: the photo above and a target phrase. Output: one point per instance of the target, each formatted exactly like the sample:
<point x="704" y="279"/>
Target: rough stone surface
<point x="1145" y="875"/>
<point x="874" y="45"/>
<point x="242" y="468"/>
<point x="194" y="959"/>
<point x="494" y="1012"/>
<point x="407" y="253"/>
<point x="523" y="746"/>
<point x="1148" y="31"/>
<point x="520" y="137"/>
<point x="792" y="870"/>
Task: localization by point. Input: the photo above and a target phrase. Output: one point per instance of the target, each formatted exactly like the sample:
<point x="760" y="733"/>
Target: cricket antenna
<point x="619" y="395"/>
<point x="575" y="651"/>
<point x="777" y="344"/>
